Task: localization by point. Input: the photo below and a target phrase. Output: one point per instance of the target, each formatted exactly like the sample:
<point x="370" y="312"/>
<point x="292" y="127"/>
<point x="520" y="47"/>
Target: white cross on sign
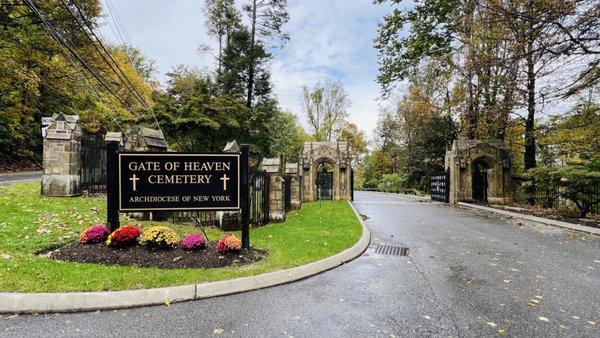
<point x="134" y="179"/>
<point x="225" y="179"/>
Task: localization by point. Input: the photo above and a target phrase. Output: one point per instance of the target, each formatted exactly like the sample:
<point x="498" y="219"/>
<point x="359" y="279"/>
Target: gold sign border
<point x="239" y="183"/>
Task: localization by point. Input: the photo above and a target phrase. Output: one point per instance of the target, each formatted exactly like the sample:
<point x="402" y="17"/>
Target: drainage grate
<point x="392" y="250"/>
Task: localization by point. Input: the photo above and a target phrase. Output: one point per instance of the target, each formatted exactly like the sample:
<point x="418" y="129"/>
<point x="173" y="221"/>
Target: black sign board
<point x="178" y="181"/>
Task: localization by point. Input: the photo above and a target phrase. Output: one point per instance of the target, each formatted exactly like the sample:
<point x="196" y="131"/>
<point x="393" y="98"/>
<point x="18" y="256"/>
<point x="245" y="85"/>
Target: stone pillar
<point x="292" y="171"/>
<point x="273" y="167"/>
<point x="62" y="157"/>
<point x="276" y="198"/>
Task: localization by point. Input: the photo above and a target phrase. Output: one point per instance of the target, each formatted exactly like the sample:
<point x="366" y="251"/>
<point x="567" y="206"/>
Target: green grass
<point x="30" y="222"/>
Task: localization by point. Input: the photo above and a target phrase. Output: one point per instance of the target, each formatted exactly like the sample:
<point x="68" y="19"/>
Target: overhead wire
<point x="69" y="52"/>
<point x="140" y="97"/>
<point x="120" y="73"/>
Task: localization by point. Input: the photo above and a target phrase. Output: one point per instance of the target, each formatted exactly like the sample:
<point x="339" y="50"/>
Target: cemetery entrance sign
<point x="144" y="181"/>
<point x="178" y="181"/>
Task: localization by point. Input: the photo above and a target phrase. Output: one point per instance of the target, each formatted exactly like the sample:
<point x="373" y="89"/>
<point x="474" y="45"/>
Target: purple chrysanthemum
<point x="193" y="242"/>
<point x="94" y="234"/>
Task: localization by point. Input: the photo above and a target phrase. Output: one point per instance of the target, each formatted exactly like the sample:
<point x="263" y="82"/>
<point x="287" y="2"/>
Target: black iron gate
<point x="440" y="187"/>
<point x="259" y="198"/>
<point x="324" y="186"/>
<point x="480" y="186"/>
<point x="93" y="166"/>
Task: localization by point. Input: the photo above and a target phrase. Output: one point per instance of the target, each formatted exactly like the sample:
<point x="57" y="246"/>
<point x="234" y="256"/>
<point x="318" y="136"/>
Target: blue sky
<point x="329" y="39"/>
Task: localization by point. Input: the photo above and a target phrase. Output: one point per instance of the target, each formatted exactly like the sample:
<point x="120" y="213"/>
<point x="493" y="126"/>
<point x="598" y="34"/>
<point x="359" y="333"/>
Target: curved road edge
<point x="108" y="300"/>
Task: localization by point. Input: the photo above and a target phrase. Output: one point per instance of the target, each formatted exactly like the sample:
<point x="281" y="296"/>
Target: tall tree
<point x="267" y="18"/>
<point x="221" y="19"/>
<point x="325" y="107"/>
<point x="357" y="142"/>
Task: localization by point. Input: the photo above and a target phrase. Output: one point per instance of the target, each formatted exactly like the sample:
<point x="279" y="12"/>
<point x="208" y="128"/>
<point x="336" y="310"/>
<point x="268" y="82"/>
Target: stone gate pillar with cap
<point x="62" y="156"/>
<point x="292" y="171"/>
<point x="273" y="167"/>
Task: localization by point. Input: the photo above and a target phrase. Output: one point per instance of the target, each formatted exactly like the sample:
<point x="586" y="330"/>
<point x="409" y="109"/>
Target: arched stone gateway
<point x="480" y="171"/>
<point x="326" y="171"/>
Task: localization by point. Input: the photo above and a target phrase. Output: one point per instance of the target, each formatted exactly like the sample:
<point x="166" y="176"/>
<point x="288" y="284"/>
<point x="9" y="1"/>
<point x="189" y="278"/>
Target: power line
<point x="70" y="50"/>
<point x="130" y="87"/>
<point x="139" y="96"/>
<point x="118" y="22"/>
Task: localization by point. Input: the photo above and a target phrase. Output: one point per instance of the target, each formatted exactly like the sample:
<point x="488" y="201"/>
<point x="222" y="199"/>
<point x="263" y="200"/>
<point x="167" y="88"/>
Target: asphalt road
<point x="20" y="177"/>
<point x="467" y="274"/>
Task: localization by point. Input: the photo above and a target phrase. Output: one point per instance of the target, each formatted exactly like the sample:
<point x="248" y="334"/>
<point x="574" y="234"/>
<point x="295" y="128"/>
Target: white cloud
<point x="329" y="40"/>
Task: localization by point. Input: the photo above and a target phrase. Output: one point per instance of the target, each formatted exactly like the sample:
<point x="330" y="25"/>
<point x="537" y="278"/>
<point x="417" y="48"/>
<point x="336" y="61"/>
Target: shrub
<point x="124" y="236"/>
<point x="193" y="242"/>
<point x="161" y="237"/>
<point x="228" y="243"/>
<point x="97" y="233"/>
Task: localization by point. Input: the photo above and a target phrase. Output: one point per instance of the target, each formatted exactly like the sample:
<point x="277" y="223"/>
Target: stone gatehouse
<point x="326" y="171"/>
<point x="480" y="171"/>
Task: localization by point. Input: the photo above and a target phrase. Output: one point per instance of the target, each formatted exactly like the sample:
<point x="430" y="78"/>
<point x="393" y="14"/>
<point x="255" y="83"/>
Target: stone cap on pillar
<point x="292" y="168"/>
<point x="232" y="147"/>
<point x="145" y="139"/>
<point x="114" y="136"/>
<point x="271" y="165"/>
<point x="64" y="127"/>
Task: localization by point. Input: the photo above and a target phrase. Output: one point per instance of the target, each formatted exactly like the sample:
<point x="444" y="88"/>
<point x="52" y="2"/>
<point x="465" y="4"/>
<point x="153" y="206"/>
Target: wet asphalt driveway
<point x="467" y="274"/>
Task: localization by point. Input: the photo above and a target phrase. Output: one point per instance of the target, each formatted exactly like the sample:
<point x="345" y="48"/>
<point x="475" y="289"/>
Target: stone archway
<point x="326" y="171"/>
<point x="480" y="171"/>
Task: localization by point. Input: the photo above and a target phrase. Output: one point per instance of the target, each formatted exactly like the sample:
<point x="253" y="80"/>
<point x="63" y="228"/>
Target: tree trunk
<point x="220" y="55"/>
<point x="251" y="67"/>
<point x="471" y="114"/>
<point x="530" y="121"/>
<point x="529" y="156"/>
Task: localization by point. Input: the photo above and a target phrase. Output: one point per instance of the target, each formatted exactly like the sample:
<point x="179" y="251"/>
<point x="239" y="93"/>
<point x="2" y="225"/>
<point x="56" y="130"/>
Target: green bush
<point x="578" y="183"/>
<point x="392" y="182"/>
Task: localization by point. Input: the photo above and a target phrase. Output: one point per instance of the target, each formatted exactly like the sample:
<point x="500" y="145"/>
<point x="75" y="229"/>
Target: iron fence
<point x="550" y="197"/>
<point x="93" y="166"/>
<point x="259" y="198"/>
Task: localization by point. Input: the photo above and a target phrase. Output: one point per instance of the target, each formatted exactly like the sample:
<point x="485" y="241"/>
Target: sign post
<point x="112" y="202"/>
<point x="245" y="178"/>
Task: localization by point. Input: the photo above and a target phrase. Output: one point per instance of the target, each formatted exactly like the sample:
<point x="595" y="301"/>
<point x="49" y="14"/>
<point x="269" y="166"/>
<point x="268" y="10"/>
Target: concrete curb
<point x="531" y="218"/>
<point x="105" y="300"/>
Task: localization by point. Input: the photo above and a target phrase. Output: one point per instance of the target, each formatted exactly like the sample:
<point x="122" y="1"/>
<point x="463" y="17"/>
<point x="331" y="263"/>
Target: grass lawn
<point x="29" y="222"/>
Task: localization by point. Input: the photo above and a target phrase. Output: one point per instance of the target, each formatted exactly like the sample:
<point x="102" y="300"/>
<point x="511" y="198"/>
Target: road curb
<point x="108" y="300"/>
<point x="536" y="219"/>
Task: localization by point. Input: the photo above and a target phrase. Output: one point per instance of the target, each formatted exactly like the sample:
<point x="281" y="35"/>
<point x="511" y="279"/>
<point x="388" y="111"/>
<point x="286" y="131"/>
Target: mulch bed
<point x="142" y="257"/>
